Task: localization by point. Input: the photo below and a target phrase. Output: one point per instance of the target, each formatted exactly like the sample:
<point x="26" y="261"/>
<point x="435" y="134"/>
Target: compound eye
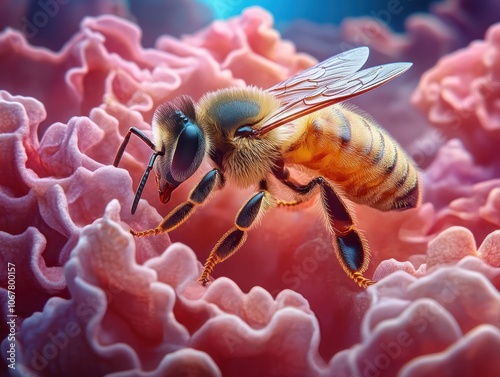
<point x="188" y="153"/>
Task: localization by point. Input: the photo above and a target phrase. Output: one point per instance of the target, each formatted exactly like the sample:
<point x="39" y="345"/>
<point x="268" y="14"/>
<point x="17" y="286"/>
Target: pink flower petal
<point x="479" y="346"/>
<point x="451" y="245"/>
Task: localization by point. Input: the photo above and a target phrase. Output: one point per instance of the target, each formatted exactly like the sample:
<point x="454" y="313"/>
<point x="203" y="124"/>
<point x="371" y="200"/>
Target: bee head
<point x="183" y="143"/>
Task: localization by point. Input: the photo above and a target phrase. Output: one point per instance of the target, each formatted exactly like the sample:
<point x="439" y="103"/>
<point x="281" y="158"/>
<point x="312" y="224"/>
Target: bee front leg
<point x="247" y="217"/>
<point x="199" y="195"/>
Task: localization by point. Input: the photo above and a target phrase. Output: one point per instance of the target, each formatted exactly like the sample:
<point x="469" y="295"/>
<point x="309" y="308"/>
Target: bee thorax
<point x="250" y="161"/>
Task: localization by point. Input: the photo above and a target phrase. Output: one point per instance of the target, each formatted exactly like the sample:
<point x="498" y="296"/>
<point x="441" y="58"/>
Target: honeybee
<point x="252" y="136"/>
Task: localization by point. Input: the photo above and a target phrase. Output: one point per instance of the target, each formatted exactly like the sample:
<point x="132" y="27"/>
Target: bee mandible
<point x="252" y="137"/>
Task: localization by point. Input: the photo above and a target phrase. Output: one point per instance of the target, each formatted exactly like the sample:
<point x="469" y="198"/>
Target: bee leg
<point x="199" y="195"/>
<point x="351" y="247"/>
<point x="246" y="218"/>
<point x="298" y="203"/>
<point x="289" y="204"/>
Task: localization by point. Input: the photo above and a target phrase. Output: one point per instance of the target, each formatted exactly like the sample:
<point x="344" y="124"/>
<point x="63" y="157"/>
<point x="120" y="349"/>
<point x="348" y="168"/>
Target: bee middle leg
<point x="230" y="242"/>
<point x="295" y="204"/>
<point x="351" y="248"/>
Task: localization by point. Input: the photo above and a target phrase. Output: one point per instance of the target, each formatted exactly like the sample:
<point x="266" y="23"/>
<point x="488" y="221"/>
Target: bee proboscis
<point x="252" y="136"/>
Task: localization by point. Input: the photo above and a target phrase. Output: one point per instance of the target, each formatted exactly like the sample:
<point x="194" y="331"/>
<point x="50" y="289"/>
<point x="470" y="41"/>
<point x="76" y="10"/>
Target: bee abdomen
<point x="353" y="152"/>
<point x="387" y="177"/>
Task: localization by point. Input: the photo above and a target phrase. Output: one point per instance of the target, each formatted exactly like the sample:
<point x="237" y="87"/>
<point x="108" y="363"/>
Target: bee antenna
<point x="136" y="132"/>
<point x="145" y="176"/>
<point x="121" y="150"/>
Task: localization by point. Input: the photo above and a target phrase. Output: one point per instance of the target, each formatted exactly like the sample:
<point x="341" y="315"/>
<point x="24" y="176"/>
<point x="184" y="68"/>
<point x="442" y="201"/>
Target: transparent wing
<point x="335" y="68"/>
<point x="332" y="81"/>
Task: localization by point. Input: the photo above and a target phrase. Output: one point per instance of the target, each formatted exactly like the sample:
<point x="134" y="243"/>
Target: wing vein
<point x="334" y="80"/>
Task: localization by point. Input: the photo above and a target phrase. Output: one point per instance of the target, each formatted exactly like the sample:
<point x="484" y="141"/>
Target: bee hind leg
<point x="247" y="217"/>
<point x="351" y="248"/>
